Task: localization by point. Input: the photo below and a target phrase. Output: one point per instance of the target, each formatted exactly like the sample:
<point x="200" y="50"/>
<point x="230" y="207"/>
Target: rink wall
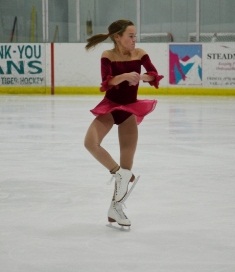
<point x="188" y="68"/>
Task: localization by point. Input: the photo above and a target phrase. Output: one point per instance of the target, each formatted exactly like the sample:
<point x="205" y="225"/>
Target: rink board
<point x="188" y="69"/>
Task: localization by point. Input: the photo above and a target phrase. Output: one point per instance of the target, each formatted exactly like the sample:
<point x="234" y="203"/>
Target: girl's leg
<point x="128" y="137"/>
<point x="95" y="134"/>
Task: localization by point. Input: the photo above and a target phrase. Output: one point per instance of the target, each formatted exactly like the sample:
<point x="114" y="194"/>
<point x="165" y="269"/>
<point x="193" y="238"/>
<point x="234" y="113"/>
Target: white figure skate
<point x="116" y="214"/>
<point x="122" y="179"/>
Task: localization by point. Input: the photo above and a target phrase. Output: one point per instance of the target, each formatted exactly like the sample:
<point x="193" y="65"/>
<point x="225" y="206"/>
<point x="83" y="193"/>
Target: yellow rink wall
<point x="95" y="91"/>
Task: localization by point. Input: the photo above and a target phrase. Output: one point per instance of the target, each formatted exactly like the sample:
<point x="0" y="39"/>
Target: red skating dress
<point x="124" y="97"/>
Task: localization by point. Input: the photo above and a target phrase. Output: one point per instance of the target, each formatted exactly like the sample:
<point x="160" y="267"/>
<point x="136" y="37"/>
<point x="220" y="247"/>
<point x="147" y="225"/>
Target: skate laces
<point x="109" y="183"/>
<point x="115" y="177"/>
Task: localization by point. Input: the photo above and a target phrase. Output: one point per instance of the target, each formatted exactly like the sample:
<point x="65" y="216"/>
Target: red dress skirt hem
<point x="140" y="108"/>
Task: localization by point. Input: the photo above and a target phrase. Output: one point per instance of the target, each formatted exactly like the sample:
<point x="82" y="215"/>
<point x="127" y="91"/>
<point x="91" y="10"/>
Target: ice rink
<point x="54" y="196"/>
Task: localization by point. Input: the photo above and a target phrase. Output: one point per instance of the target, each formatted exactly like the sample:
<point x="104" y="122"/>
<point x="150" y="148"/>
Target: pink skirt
<point x="140" y="108"/>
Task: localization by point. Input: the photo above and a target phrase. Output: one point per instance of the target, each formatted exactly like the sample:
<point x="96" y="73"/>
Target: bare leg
<point x="128" y="137"/>
<point x="95" y="134"/>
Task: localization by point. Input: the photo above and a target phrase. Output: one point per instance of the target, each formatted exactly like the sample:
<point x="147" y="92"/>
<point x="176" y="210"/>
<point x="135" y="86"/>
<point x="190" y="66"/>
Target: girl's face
<point x="128" y="39"/>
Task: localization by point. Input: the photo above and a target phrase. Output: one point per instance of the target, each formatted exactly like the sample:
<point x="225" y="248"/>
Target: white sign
<point x="22" y="64"/>
<point x="219" y="65"/>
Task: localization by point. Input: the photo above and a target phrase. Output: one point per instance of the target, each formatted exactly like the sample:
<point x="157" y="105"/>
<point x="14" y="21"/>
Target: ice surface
<point x="54" y="196"/>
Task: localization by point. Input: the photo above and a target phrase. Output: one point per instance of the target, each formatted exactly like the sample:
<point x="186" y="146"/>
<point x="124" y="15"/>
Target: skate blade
<point x="129" y="191"/>
<point x="119" y="227"/>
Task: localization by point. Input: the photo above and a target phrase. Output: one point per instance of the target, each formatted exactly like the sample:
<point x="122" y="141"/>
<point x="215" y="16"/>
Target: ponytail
<point x="96" y="39"/>
<point x="117" y="27"/>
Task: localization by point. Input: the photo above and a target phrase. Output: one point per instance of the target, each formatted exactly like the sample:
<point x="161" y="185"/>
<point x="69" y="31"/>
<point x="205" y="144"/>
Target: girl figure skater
<point x="120" y="71"/>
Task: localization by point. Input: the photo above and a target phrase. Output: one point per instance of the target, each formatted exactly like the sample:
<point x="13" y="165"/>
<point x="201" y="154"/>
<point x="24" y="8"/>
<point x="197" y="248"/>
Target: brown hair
<point x="117" y="27"/>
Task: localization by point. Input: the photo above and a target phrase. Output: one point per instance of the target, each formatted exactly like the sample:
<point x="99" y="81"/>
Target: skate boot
<point x="122" y="179"/>
<point x="116" y="214"/>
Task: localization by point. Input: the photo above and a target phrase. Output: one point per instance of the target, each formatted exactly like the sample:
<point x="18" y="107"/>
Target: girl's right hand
<point x="133" y="78"/>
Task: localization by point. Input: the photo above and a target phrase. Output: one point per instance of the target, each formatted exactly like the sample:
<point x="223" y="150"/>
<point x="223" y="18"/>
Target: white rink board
<point x="74" y="66"/>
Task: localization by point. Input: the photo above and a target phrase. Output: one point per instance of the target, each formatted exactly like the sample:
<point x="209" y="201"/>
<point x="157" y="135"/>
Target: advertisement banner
<point x="219" y="65"/>
<point x="185" y="64"/>
<point x="22" y="65"/>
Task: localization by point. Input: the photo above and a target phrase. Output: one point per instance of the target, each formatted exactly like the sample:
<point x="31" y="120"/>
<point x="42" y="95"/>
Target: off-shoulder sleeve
<point x="151" y="70"/>
<point x="106" y="74"/>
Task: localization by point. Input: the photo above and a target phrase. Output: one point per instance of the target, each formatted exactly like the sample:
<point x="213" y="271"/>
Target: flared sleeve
<point x="151" y="70"/>
<point x="106" y="74"/>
